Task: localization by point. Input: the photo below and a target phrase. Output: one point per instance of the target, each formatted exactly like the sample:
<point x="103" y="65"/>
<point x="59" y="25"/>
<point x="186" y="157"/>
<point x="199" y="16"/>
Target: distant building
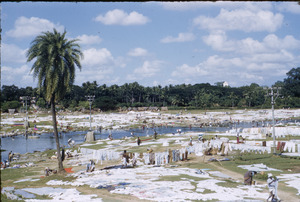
<point x="225" y="84"/>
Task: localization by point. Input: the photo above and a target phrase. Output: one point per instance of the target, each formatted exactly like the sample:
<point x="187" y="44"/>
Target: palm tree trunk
<point x="60" y="164"/>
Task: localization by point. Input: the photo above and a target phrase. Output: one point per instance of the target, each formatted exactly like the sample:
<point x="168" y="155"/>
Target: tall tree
<point x="292" y="82"/>
<point x="56" y="60"/>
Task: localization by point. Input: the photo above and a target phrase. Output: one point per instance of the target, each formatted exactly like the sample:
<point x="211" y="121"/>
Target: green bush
<point x="10" y="105"/>
<point x="261" y="176"/>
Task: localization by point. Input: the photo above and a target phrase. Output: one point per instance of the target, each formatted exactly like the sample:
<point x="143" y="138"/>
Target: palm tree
<point x="56" y="58"/>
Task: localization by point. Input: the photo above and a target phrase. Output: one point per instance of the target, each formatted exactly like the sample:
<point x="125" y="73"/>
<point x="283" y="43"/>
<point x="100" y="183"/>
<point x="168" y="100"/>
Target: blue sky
<point x="159" y="43"/>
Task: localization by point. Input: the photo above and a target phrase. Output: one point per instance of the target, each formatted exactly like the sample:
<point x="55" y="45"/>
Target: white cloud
<point x="250" y="77"/>
<point x="115" y="80"/>
<point x="97" y="57"/>
<point x="182" y="6"/>
<point x="291" y="7"/>
<point x="137" y="52"/>
<point x="241" y="19"/>
<point x="100" y="74"/>
<point x="26" y="27"/>
<point x="192" y="5"/>
<point x="288" y="42"/>
<point x="89" y="39"/>
<point x="119" y="17"/>
<point x="279" y="57"/>
<point x="131" y="77"/>
<point x="149" y="68"/>
<point x="98" y="65"/>
<point x="121" y="62"/>
<point x="155" y="83"/>
<point x="187" y="71"/>
<point x="19" y="76"/>
<point x="238" y="70"/>
<point x="12" y="53"/>
<point x="219" y="41"/>
<point x="182" y="37"/>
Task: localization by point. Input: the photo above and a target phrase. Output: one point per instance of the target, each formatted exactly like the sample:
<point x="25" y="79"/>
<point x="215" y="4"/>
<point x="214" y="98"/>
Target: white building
<point x="225" y="84"/>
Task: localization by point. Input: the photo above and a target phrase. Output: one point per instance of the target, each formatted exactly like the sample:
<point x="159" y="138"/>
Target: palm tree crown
<point x="54" y="67"/>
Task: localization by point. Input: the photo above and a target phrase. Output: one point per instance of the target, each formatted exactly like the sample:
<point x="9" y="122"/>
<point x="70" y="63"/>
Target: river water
<point x="21" y="144"/>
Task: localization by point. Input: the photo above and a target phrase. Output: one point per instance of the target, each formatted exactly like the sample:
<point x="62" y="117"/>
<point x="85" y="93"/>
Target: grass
<point x="283" y="163"/>
<point x="284" y="188"/>
<point x="15" y="174"/>
<point x="5" y="199"/>
<point x="41" y="123"/>
<point x="229" y="184"/>
<point x="9" y="176"/>
<point x="48" y="153"/>
<point x="95" y="146"/>
<point x="208" y="191"/>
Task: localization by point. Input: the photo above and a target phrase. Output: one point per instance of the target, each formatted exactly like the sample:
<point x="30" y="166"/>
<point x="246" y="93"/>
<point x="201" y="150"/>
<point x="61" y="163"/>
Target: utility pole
<point x="90" y="98"/>
<point x="24" y="99"/>
<point x="274" y="96"/>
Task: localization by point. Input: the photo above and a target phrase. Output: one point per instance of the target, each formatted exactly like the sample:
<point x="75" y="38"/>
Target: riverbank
<point x="217" y="176"/>
<point x="67" y="122"/>
<point x="206" y="177"/>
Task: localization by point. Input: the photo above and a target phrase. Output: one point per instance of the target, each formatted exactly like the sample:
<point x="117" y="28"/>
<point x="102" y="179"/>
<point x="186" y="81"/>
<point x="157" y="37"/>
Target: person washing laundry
<point x="138" y="141"/>
<point x="133" y="161"/>
<point x="200" y="137"/>
<point x="110" y="136"/>
<point x="71" y="142"/>
<point x="237" y="138"/>
<point x="272" y="185"/>
<point x="191" y="141"/>
<point x="90" y="167"/>
<point x="125" y="159"/>
<point x="248" y="177"/>
<point x="155" y="134"/>
<point x="48" y="171"/>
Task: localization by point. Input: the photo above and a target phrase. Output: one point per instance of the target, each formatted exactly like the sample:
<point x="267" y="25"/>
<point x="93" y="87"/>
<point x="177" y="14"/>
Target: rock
<point x="90" y="136"/>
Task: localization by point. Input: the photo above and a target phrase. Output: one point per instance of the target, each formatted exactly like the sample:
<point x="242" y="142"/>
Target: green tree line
<point x="197" y="96"/>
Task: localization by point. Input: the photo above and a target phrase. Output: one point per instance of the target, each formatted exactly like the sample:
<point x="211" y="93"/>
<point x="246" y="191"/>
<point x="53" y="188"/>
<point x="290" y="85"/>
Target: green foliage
<point x="5" y="199"/>
<point x="84" y="104"/>
<point x="56" y="58"/>
<point x="261" y="176"/>
<point x="105" y="103"/>
<point x="228" y="183"/>
<point x="14" y="174"/>
<point x="292" y="82"/>
<point x="274" y="161"/>
<point x="9" y="93"/>
<point x="41" y="102"/>
<point x="55" y="61"/>
<point x="10" y="105"/>
<point x="198" y="96"/>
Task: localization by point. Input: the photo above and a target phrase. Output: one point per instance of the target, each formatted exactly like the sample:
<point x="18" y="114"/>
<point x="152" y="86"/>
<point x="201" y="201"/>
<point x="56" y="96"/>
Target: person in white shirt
<point x="272" y="185"/>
